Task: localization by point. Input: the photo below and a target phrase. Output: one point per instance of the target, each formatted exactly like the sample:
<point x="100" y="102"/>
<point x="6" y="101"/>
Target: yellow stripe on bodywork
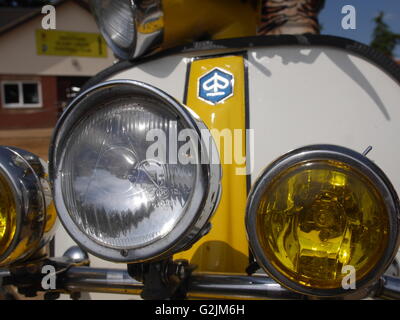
<point x="225" y="248"/>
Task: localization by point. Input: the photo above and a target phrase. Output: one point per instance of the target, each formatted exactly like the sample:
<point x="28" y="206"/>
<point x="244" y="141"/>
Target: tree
<point x="290" y="16"/>
<point x="384" y="39"/>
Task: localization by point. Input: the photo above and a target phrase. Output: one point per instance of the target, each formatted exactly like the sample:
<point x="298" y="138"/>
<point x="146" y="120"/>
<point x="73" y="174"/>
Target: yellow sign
<point x="68" y="43"/>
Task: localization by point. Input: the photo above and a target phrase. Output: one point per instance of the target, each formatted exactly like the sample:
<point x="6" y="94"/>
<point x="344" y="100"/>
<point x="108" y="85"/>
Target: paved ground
<point x="33" y="140"/>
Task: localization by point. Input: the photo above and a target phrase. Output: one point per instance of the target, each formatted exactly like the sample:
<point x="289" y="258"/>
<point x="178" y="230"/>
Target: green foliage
<point x="384" y="39"/>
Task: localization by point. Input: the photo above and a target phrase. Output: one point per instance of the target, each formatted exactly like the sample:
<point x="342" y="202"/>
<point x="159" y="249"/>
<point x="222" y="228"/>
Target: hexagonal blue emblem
<point x="216" y="86"/>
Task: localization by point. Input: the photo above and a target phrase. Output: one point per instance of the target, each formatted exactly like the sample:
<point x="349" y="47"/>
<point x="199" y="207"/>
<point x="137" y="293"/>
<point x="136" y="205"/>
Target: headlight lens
<point x="130" y="27"/>
<point x="7" y="215"/>
<point x="319" y="216"/>
<point x="113" y="190"/>
<point x="131" y="207"/>
<point x="317" y="210"/>
<point x="26" y="221"/>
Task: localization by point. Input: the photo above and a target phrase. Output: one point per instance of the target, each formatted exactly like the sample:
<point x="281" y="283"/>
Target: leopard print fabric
<point x="290" y="16"/>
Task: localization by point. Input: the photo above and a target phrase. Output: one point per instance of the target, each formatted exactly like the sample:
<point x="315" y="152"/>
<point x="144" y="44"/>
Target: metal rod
<point x="85" y="279"/>
<point x="4" y="273"/>
<point x="366" y="151"/>
<point x="238" y="286"/>
<point x="200" y="285"/>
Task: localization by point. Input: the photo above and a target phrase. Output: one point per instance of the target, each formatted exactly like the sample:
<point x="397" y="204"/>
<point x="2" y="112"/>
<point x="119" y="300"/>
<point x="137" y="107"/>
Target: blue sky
<point x="331" y="18"/>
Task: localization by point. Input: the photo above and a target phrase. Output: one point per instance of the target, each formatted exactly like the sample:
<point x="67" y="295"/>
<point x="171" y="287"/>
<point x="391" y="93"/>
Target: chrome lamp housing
<point x="130" y="27"/>
<point x="27" y="214"/>
<point x="114" y="198"/>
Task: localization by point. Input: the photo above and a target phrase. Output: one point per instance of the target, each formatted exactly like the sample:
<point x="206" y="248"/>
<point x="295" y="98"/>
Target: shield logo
<point x="216" y="86"/>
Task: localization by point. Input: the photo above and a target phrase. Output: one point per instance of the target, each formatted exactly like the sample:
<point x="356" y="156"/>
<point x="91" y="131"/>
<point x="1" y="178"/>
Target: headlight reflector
<point x="114" y="199"/>
<point x="318" y="209"/>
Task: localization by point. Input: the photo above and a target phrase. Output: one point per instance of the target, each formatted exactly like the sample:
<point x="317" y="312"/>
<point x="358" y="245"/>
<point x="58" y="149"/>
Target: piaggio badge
<point x="216" y="86"/>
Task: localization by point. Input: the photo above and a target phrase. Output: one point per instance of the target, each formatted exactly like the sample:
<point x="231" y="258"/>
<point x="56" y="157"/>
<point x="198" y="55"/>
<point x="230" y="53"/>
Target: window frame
<point x="21" y="104"/>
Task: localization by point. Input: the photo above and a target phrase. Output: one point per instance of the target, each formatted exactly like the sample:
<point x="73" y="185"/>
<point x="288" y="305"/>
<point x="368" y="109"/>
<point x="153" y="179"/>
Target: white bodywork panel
<point x="300" y="97"/>
<point x="297" y="96"/>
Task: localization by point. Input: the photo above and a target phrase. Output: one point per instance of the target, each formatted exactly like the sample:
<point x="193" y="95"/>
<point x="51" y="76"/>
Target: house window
<point x="21" y="94"/>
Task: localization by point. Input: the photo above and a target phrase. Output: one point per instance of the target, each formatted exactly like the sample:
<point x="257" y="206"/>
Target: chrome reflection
<point x="130" y="27"/>
<point x="33" y="214"/>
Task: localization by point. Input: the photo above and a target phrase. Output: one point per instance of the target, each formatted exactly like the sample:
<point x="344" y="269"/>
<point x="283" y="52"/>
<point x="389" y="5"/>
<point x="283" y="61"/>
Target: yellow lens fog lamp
<point x="322" y="216"/>
<point x="26" y="218"/>
<point x="7" y="215"/>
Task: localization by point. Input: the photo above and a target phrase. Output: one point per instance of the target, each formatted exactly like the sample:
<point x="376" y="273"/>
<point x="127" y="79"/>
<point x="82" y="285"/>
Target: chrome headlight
<point x="27" y="216"/>
<point x="320" y="214"/>
<point x="130" y="27"/>
<point x="116" y="194"/>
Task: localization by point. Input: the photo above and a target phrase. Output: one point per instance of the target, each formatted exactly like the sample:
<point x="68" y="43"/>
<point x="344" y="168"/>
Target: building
<point x="38" y="67"/>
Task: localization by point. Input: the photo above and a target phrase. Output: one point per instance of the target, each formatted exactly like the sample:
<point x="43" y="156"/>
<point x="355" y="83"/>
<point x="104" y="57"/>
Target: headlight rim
<point x="211" y="173"/>
<point x="325" y="152"/>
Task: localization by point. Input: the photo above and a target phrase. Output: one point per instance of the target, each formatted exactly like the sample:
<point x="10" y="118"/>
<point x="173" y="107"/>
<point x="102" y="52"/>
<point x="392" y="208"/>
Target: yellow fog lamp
<point x="26" y="218"/>
<point x="125" y="186"/>
<point x="322" y="216"/>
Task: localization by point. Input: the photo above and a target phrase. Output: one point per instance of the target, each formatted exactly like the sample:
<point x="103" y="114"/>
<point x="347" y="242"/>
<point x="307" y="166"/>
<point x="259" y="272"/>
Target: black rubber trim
<point x="381" y="60"/>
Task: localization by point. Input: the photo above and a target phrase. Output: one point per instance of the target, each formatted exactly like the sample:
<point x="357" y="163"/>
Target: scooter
<point x="212" y="162"/>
